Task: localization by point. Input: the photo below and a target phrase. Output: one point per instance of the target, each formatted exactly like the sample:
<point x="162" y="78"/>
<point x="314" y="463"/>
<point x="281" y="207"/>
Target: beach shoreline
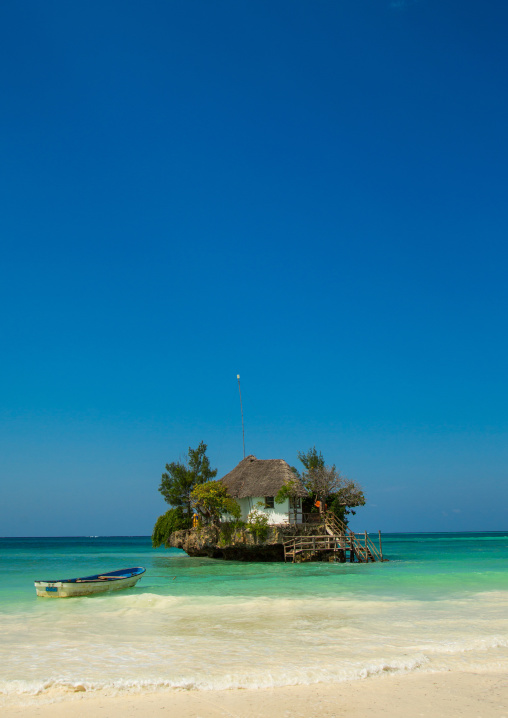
<point x="425" y="635"/>
<point x="421" y="695"/>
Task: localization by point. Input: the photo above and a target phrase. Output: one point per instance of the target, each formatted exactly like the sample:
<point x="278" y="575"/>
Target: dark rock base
<point x="242" y="546"/>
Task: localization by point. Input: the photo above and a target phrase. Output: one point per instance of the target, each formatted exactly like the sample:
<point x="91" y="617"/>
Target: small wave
<point x="227" y="681"/>
<point x="475" y="644"/>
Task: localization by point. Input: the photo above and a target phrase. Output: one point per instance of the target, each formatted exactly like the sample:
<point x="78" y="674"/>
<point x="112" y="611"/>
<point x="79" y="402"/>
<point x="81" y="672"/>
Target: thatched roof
<point x="260" y="477"/>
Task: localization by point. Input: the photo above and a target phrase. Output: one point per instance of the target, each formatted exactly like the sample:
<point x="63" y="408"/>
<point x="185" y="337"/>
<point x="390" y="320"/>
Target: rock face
<point x="240" y="545"/>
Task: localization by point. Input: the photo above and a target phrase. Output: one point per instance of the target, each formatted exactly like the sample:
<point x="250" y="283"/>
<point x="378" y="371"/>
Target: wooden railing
<point x="373" y="548"/>
<point x="367" y="549"/>
<point x="311" y="544"/>
<point x="334" y="524"/>
<point x="314" y="518"/>
<point x="339" y="538"/>
<point x="296" y="516"/>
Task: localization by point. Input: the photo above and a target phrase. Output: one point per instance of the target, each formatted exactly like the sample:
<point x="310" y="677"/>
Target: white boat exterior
<point x="89" y="585"/>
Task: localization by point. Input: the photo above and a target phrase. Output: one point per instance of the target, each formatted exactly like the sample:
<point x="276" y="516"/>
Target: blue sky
<point x="310" y="194"/>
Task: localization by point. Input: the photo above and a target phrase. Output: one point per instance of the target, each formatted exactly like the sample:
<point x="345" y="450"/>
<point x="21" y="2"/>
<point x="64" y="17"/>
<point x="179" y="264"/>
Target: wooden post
<point x="380" y="546"/>
<point x="366" y="549"/>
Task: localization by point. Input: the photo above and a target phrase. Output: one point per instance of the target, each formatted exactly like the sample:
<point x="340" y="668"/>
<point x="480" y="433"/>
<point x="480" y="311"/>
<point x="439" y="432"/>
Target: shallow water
<point x="441" y="602"/>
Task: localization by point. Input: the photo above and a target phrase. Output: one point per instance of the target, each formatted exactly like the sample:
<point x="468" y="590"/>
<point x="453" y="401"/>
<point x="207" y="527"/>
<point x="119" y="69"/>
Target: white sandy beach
<point x="430" y="695"/>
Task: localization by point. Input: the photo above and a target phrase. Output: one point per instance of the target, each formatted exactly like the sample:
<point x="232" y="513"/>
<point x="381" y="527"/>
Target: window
<point x="269" y="502"/>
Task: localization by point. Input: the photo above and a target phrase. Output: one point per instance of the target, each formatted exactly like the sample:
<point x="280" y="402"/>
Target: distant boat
<point x="110" y="581"/>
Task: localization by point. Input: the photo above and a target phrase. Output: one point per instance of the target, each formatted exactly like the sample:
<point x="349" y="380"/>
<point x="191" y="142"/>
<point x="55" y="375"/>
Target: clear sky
<point x="312" y="194"/>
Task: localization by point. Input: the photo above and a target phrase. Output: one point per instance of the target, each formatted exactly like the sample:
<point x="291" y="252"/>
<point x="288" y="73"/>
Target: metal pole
<point x="241" y="409"/>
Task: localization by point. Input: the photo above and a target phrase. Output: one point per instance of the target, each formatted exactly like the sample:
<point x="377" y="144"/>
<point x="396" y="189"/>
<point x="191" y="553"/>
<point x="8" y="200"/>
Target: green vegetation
<point x="177" y="484"/>
<point x="328" y="487"/>
<point x="257" y="522"/>
<point x="311" y="459"/>
<point x="172" y="520"/>
<point x="212" y="501"/>
<point x="229" y="530"/>
<point x="180" y="478"/>
<point x="290" y="490"/>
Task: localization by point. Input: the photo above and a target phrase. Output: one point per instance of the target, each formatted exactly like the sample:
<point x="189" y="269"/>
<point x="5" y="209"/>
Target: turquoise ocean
<point x="440" y="603"/>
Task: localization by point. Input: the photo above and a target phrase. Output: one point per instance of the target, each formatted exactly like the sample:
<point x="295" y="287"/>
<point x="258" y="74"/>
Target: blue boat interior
<point x="107" y="576"/>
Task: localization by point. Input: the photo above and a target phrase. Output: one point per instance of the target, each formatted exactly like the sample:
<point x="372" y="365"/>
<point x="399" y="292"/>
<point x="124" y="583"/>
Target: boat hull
<point x="84" y="587"/>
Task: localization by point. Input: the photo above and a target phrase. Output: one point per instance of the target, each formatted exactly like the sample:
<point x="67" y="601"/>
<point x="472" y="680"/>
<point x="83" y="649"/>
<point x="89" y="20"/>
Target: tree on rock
<point x="311" y="459"/>
<point x="212" y="501"/>
<point x="328" y="487"/>
<point x="172" y="520"/>
<point x="180" y="478"/>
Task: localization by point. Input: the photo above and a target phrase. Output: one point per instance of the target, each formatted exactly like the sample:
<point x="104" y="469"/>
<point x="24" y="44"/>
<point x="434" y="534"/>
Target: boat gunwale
<point x="106" y="577"/>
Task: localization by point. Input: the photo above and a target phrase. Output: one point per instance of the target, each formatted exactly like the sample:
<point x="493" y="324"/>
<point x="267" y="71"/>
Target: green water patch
<point x="420" y="567"/>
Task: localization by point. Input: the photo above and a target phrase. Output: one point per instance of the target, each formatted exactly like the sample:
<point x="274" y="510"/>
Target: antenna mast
<point x="241" y="409"/>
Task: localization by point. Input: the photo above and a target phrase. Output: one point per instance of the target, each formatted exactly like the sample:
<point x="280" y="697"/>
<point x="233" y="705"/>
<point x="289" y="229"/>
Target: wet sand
<point x="429" y="695"/>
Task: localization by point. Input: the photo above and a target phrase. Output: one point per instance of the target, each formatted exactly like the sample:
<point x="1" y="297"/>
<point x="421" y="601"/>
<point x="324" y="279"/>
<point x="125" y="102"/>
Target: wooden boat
<point x="111" y="581"/>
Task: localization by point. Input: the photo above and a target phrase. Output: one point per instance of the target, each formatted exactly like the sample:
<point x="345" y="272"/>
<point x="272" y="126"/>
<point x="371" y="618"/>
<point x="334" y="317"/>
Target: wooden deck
<point x="337" y="542"/>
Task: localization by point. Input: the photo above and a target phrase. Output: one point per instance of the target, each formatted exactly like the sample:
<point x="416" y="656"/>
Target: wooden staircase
<point x="338" y="542"/>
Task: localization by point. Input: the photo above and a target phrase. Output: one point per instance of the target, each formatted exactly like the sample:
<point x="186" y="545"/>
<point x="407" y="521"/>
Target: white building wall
<point x="278" y="515"/>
